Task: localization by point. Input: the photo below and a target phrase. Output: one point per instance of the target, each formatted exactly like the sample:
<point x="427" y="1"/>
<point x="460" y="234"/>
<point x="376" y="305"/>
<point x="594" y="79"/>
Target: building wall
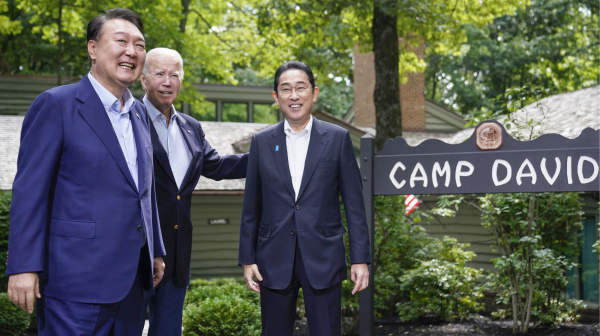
<point x="215" y="247"/>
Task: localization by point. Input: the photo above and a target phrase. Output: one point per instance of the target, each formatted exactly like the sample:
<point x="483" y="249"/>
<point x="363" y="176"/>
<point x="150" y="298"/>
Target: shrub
<point x="220" y="307"/>
<point x="444" y="287"/>
<point x="222" y="316"/>
<point x="5" y="198"/>
<point x="13" y="320"/>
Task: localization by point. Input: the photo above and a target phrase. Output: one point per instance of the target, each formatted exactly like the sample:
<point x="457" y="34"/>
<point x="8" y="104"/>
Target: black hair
<point x="94" y="27"/>
<point x="294" y="65"/>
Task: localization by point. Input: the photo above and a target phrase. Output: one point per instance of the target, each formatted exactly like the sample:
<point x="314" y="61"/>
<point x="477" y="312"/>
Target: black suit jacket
<point x="174" y="204"/>
<point x="272" y="220"/>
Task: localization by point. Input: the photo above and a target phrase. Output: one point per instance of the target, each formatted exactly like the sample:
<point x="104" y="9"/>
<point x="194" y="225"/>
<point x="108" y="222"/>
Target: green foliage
<point x="445" y="287"/>
<point x="221" y="307"/>
<point x="5" y="198"/>
<point x="222" y="316"/>
<point x="548" y="305"/>
<point x="13" y="320"/>
<point x="537" y="235"/>
<point x="548" y="47"/>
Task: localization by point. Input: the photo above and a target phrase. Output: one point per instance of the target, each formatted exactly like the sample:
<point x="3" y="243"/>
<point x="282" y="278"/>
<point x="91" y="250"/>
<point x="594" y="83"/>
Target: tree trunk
<point x="530" y="263"/>
<point x="387" y="80"/>
<point x="184" y="15"/>
<point x="59" y="60"/>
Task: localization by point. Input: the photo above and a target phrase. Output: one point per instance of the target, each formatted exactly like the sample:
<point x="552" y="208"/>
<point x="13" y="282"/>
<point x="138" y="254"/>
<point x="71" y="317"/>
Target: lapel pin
<point x="277" y="148"/>
<point x="137" y="115"/>
<point x="189" y="131"/>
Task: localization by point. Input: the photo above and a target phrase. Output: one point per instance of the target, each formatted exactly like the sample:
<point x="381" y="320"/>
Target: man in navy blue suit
<point x="291" y="231"/>
<point x="84" y="230"/>
<point x="181" y="155"/>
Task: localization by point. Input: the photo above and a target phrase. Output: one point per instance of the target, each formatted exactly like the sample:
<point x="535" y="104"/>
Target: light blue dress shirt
<point x="121" y="123"/>
<point x="171" y="138"/>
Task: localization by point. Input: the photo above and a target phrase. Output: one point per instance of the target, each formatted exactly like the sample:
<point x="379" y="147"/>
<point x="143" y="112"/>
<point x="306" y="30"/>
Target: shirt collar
<point x="109" y="100"/>
<point x="288" y="128"/>
<point x="154" y="113"/>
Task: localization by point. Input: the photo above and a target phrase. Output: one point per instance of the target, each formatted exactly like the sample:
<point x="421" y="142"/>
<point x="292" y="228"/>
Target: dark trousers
<point x="166" y="309"/>
<point x="323" y="307"/>
<point x="68" y="318"/>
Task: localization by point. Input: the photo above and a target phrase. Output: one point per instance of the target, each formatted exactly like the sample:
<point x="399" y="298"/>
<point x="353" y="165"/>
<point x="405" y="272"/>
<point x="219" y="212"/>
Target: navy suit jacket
<point x="272" y="220"/>
<point x="174" y="204"/>
<point x="77" y="217"/>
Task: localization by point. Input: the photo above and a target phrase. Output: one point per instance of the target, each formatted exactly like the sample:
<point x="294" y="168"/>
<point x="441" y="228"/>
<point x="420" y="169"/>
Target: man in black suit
<point x="291" y="231"/>
<point x="181" y="155"/>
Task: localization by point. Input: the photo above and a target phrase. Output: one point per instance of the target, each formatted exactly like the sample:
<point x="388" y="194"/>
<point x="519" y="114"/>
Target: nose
<point x="294" y="95"/>
<point x="130" y="50"/>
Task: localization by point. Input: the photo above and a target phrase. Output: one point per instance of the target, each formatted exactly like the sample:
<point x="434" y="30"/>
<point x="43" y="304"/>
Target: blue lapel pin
<point x="277" y="148"/>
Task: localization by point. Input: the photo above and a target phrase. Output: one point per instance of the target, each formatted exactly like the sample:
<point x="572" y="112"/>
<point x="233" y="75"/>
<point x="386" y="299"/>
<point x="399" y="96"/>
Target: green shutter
<point x="589" y="262"/>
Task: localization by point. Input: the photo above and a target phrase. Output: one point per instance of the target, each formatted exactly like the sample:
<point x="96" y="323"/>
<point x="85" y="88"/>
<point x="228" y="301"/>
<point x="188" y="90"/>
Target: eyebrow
<point x="286" y="83"/>
<point x="120" y="32"/>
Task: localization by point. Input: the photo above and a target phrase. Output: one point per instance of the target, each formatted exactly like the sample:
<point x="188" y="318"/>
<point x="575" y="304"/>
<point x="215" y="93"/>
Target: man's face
<point x="295" y="96"/>
<point x="163" y="81"/>
<point x="118" y="55"/>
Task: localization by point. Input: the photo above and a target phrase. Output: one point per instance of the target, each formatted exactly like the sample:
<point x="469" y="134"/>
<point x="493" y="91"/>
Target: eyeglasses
<point x="300" y="90"/>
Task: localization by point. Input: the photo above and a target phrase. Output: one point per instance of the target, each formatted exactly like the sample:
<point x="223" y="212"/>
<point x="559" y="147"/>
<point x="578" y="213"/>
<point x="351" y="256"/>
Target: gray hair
<point x="162" y="51"/>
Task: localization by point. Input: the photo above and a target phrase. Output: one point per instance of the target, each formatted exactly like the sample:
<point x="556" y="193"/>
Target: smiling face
<point x="117" y="56"/>
<point x="163" y="81"/>
<point x="295" y="96"/>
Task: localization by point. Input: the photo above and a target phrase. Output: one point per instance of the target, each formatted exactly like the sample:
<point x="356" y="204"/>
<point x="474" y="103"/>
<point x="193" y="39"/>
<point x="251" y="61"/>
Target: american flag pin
<point x="137" y="115"/>
<point x="277" y="148"/>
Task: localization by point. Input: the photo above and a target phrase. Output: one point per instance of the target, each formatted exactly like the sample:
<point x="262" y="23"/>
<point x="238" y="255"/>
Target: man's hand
<point x="249" y="272"/>
<point x="22" y="290"/>
<point x="359" y="274"/>
<point x="159" y="270"/>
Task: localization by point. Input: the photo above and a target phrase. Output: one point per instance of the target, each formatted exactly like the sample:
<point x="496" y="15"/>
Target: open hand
<point x="22" y="290"/>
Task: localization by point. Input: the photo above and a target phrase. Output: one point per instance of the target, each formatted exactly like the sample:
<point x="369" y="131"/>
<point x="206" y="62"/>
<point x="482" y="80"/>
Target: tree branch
<point x="210" y="27"/>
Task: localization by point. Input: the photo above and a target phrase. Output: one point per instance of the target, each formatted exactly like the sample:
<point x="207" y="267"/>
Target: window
<point x="583" y="281"/>
<point x="204" y="111"/>
<point x="265" y="113"/>
<point x="235" y="112"/>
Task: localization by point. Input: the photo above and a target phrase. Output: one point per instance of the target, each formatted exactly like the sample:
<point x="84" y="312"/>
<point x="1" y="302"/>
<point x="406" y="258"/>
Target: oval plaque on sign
<point x="489" y="136"/>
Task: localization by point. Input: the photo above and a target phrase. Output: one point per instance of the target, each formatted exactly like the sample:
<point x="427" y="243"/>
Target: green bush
<point x="13" y="320"/>
<point x="444" y="287"/>
<point x="221" y="307"/>
<point x="5" y="198"/>
<point x="222" y="316"/>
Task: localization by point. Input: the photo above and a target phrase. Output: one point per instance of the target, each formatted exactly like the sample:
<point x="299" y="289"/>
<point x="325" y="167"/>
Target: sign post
<point x="490" y="161"/>
<point x="366" y="297"/>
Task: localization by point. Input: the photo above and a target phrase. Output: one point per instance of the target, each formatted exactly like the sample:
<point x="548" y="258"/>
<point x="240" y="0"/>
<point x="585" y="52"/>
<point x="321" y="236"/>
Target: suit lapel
<point x="137" y="126"/>
<point x="193" y="146"/>
<point x="160" y="153"/>
<point x="316" y="146"/>
<point x="279" y="150"/>
<point x="95" y="115"/>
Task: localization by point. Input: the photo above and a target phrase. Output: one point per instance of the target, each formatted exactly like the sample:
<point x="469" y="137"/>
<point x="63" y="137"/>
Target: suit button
<point x="178" y="197"/>
<point x="297" y="207"/>
<point x="293" y="233"/>
<point x="139" y="228"/>
<point x="176" y="226"/>
<point x="142" y="198"/>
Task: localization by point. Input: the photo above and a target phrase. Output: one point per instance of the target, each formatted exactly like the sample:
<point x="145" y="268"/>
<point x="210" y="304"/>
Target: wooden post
<point x="367" y="296"/>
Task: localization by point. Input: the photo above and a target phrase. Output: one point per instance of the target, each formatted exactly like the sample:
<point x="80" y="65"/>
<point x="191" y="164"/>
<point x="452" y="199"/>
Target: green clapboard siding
<point x="215" y="247"/>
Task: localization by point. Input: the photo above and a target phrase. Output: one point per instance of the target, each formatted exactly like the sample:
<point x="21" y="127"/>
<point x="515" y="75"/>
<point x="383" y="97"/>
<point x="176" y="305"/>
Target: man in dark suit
<point x="181" y="155"/>
<point x="84" y="230"/>
<point x="291" y="231"/>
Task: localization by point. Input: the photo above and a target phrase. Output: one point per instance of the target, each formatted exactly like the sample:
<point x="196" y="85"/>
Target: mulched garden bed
<point x="476" y="326"/>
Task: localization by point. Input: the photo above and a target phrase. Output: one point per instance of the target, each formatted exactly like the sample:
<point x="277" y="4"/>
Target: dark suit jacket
<point x="174" y="203"/>
<point x="76" y="215"/>
<point x="272" y="220"/>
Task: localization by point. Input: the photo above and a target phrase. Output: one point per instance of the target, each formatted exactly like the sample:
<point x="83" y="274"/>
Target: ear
<point x="276" y="98"/>
<point x="143" y="79"/>
<point x="92" y="49"/>
<point x="315" y="94"/>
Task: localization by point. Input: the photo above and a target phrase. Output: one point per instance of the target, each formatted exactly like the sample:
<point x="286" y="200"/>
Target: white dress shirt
<point x="171" y="138"/>
<point x="120" y="120"/>
<point x="297" y="148"/>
